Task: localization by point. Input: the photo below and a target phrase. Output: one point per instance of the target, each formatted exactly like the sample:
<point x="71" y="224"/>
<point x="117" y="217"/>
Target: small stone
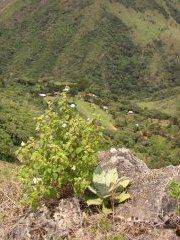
<point x="113" y="150"/>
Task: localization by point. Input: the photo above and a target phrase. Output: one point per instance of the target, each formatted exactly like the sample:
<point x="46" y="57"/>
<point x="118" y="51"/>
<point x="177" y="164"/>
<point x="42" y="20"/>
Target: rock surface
<point x="149" y="188"/>
<point x="48" y="223"/>
<point x="126" y="163"/>
<point x="150" y="206"/>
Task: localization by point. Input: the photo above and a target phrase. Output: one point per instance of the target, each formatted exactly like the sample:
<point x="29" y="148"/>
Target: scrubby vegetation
<point x="17" y="111"/>
<point x="152" y="134"/>
<point x="63" y="154"/>
<point x="175" y="189"/>
<point x="126" y="56"/>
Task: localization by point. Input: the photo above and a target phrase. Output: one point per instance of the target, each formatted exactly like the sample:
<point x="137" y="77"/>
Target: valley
<point x="127" y="55"/>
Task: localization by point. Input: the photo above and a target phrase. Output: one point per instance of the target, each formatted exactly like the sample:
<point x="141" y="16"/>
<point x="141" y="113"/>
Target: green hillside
<point x="17" y="112"/>
<point x="124" y="52"/>
<point x="170" y="105"/>
<point x="88" y="110"/>
<point x="126" y="46"/>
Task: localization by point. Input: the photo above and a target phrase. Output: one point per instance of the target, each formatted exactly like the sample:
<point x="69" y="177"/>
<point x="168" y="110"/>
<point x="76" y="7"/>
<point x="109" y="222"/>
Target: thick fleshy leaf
<point x="101" y="190"/>
<point x="122" y="197"/>
<point x="119" y="185"/>
<point x="111" y="177"/>
<point x="106" y="184"/>
<point x="106" y="210"/>
<point x="124" y="182"/>
<point x="95" y="201"/>
<point x="99" y="175"/>
<point x="93" y="190"/>
<point x="99" y="186"/>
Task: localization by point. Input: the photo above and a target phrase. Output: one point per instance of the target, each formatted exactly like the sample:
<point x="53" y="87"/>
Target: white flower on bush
<point x="21" y="160"/>
<point x="23" y="144"/>
<point x="66" y="89"/>
<point x="74" y="168"/>
<point x="72" y="105"/>
<point x="36" y="180"/>
<point x="64" y="125"/>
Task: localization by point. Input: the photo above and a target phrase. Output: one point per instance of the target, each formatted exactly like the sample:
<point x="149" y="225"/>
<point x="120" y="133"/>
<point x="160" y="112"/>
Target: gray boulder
<point x="125" y="162"/>
<point x="150" y="200"/>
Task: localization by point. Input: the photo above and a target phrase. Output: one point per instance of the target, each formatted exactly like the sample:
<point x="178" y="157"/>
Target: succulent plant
<point x="107" y="188"/>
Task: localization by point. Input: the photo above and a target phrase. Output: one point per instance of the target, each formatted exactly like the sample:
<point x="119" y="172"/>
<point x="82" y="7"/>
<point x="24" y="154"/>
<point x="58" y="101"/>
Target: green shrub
<point x="175" y="189"/>
<point x="62" y="155"/>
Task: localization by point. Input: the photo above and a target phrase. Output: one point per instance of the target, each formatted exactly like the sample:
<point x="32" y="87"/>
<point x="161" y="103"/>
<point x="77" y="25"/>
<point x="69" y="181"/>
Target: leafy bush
<point x="174" y="189"/>
<point x="107" y="188"/>
<point x="63" y="155"/>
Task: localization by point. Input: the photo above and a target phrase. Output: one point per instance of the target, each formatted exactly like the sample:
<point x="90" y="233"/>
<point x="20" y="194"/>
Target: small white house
<point x="42" y="95"/>
<point x="105" y="107"/>
<point x="130" y="112"/>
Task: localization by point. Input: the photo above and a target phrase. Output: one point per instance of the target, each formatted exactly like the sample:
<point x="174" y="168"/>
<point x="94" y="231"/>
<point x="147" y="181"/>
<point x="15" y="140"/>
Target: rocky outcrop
<point x="125" y="162"/>
<point x="150" y="207"/>
<point x="150" y="200"/>
<point x="50" y="222"/>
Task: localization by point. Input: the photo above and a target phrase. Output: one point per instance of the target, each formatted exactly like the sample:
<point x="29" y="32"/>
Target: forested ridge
<point x="119" y="54"/>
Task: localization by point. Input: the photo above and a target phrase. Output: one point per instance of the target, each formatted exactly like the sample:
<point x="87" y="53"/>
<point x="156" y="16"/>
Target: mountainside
<point x="118" y="46"/>
<point x="122" y="55"/>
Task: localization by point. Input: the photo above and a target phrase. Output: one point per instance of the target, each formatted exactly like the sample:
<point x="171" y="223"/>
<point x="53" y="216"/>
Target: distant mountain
<point x="122" y="55"/>
<point x="108" y="46"/>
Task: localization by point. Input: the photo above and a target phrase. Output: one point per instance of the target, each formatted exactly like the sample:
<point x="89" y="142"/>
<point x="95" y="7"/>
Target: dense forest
<point x="121" y="55"/>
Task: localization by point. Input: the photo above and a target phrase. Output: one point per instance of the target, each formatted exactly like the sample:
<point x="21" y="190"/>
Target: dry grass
<point x="98" y="227"/>
<point x="103" y="227"/>
<point x="10" y="194"/>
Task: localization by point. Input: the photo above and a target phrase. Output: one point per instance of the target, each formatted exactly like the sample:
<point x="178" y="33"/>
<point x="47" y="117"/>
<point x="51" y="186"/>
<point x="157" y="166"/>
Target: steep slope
<point x="118" y="46"/>
<point x="126" y="52"/>
<point x="17" y="112"/>
<point x="169" y="105"/>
